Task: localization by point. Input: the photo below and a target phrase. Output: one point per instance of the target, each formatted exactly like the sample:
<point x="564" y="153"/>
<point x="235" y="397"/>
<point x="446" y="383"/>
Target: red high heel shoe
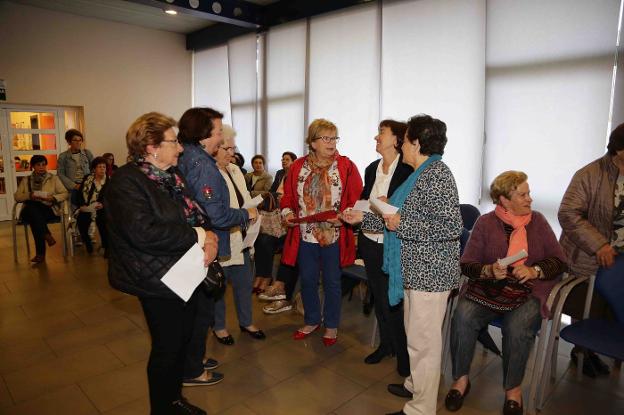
<point x="329" y="341"/>
<point x="300" y="335"/>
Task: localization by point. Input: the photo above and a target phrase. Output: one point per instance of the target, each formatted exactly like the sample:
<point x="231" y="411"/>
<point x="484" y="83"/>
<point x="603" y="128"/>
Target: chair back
<point x="469" y="214"/>
<point x="610" y="284"/>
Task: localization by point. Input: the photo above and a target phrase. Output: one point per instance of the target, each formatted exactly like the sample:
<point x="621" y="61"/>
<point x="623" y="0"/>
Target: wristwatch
<point x="538" y="269"/>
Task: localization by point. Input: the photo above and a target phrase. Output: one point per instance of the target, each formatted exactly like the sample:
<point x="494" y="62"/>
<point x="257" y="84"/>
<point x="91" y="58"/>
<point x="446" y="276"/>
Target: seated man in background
<point x="41" y="193"/>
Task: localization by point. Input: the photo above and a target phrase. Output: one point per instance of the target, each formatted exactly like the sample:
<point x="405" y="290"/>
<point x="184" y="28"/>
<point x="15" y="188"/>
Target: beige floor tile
<point x="11" y="315"/>
<point x="63" y="371"/>
<point x="24" y="354"/>
<point x="66" y="400"/>
<point x="572" y="398"/>
<point x="240" y="409"/>
<point x="65" y="302"/>
<point x="116" y="387"/>
<point x="131" y="348"/>
<point x="313" y="391"/>
<point x="91" y="335"/>
<point x="139" y="406"/>
<point x="99" y="313"/>
<point x="350" y="364"/>
<point x="5" y="396"/>
<point x="16" y="333"/>
<point x="373" y="401"/>
<point x="241" y="380"/>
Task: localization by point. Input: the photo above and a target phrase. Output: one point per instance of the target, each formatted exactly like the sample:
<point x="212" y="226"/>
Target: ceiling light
<point x="171" y="12"/>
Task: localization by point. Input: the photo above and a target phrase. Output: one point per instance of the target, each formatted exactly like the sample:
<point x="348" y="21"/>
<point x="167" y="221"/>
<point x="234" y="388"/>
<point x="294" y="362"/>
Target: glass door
<point x="27" y="131"/>
<point x="5" y="204"/>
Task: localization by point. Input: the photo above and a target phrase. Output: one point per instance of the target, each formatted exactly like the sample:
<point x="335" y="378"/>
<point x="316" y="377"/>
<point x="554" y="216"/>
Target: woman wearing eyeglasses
<point x="317" y="187"/>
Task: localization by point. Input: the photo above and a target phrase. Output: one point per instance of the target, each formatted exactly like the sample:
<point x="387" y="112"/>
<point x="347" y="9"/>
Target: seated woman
<point x="90" y="204"/>
<point x="517" y="294"/>
<point x="41" y="194"/>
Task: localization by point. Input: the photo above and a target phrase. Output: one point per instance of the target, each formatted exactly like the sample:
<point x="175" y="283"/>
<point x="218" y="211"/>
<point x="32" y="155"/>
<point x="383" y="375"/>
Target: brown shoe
<point x="49" y="239"/>
<point x="37" y="259"/>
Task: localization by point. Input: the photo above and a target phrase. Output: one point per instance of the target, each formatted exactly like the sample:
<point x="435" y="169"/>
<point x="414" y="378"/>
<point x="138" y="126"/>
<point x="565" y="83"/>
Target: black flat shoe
<point x="376" y="356"/>
<point x="512" y="408"/>
<point x="399" y="390"/>
<point x="454" y="398"/>
<point x="227" y="340"/>
<point x="258" y="334"/>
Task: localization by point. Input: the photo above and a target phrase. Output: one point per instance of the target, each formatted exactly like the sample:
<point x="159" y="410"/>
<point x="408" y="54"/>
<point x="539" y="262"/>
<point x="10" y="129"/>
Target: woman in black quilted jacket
<point x="152" y="223"/>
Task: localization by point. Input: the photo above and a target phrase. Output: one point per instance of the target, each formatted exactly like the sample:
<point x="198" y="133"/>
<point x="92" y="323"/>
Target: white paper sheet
<point x="507" y="261"/>
<point x="41" y="194"/>
<point x="253" y="202"/>
<point x="252" y="233"/>
<point x="362" y="205"/>
<point x="383" y="207"/>
<point x="186" y="274"/>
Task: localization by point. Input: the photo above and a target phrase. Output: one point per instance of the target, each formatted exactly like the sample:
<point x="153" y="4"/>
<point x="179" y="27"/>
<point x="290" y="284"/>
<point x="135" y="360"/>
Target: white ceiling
<point x="130" y="13"/>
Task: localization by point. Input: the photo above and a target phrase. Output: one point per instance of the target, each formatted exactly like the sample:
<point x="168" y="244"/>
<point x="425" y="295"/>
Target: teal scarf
<point x="392" y="245"/>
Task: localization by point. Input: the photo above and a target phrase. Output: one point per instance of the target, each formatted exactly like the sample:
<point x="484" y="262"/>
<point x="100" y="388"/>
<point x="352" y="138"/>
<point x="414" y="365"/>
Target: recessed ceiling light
<point x="171" y="12"/>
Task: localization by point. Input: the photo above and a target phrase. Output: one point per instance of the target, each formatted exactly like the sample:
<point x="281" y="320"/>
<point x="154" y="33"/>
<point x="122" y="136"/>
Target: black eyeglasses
<point x="171" y="141"/>
<point x="327" y="139"/>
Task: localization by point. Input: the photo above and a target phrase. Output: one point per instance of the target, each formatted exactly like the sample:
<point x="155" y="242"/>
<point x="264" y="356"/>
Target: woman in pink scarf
<point x="516" y="293"/>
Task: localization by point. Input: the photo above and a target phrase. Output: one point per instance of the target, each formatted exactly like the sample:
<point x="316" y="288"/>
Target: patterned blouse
<point x="336" y="192"/>
<point x="429" y="231"/>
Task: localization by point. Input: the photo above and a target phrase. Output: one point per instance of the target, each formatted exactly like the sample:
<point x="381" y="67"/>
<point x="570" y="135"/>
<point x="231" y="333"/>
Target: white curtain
<point x="243" y="79"/>
<point x="549" y="73"/>
<point x="285" y="91"/>
<point x="211" y="80"/>
<point x="344" y="78"/>
<point x="432" y="62"/>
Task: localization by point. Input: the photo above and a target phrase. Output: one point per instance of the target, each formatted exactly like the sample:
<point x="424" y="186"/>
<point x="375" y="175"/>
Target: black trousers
<point x="84" y="221"/>
<point x="288" y="275"/>
<point x="390" y="319"/>
<point x="196" y="350"/>
<point x="170" y="324"/>
<point x="37" y="215"/>
<point x="265" y="247"/>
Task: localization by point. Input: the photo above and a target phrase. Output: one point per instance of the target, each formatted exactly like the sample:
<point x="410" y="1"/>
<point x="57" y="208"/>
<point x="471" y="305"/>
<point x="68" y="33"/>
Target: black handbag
<point x="214" y="282"/>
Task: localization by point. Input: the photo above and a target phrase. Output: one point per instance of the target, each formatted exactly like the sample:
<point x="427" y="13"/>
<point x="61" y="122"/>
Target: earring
<point x="155" y="155"/>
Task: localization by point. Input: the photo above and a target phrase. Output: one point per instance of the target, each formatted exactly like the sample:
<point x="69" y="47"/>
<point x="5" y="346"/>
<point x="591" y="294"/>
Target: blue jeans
<point x="241" y="278"/>
<point x="311" y="259"/>
<point x="519" y="329"/>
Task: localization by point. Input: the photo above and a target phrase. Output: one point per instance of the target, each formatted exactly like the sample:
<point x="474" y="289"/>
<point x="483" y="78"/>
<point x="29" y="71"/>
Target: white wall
<point x="115" y="71"/>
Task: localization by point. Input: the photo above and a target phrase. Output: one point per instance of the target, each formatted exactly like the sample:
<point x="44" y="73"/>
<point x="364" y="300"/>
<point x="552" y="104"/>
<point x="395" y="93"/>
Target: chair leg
<point x="27" y="241"/>
<point x="14" y="233"/>
<point x="538" y="360"/>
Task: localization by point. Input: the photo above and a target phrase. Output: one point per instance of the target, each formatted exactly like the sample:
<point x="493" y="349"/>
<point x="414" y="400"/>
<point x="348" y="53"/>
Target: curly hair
<point x="147" y="129"/>
<point x="505" y="183"/>
<point x="430" y="133"/>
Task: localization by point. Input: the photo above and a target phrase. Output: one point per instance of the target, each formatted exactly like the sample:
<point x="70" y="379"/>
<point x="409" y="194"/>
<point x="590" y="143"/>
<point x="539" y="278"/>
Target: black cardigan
<point x="148" y="233"/>
<point x="401" y="173"/>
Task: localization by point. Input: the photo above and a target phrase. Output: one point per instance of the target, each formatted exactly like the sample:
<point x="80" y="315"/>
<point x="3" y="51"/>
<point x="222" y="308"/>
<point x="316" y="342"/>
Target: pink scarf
<point x="518" y="239"/>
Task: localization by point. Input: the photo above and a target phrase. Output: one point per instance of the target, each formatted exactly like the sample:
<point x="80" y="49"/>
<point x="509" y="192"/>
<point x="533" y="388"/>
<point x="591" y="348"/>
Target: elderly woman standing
<point x="323" y="182"/>
<point x="421" y="256"/>
<point x="152" y="223"/>
<point x="381" y="179"/>
<point x="592" y="221"/>
<point x="41" y="194"/>
<point x="201" y="134"/>
<point x="238" y="268"/>
<point x="517" y="294"/>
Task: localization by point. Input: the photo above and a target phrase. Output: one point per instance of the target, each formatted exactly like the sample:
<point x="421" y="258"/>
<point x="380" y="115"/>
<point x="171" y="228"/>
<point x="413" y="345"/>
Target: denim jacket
<point x="209" y="189"/>
<point x="66" y="169"/>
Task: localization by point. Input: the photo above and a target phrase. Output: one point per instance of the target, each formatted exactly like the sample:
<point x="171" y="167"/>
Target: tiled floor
<point x="69" y="344"/>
